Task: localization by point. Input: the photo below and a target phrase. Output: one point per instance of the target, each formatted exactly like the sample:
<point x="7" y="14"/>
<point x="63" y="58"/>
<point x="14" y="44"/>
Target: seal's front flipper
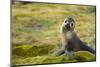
<point x="70" y="54"/>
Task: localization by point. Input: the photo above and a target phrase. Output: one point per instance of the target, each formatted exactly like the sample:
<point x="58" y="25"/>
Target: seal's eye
<point x="66" y="21"/>
<point x="71" y="24"/>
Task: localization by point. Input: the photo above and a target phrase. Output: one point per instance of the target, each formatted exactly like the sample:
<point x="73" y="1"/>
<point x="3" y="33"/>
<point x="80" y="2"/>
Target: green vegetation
<point x="35" y="32"/>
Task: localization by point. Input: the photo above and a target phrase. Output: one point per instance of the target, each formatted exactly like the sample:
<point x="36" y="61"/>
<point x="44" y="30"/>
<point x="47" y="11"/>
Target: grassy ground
<point x="35" y="31"/>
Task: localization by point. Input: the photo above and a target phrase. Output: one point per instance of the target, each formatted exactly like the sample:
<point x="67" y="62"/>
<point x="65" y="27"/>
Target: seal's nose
<point x="67" y="25"/>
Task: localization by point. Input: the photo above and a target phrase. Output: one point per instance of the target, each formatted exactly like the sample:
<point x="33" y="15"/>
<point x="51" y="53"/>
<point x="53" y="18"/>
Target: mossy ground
<point x="35" y="31"/>
<point x="42" y="56"/>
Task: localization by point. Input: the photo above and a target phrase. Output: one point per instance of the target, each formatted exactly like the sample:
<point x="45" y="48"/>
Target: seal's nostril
<point x="67" y="25"/>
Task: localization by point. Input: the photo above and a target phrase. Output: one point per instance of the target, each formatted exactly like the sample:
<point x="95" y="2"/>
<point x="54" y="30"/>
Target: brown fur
<point x="70" y="41"/>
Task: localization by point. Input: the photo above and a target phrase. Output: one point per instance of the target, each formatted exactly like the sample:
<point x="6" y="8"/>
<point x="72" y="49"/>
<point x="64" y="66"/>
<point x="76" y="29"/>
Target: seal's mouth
<point x="67" y="26"/>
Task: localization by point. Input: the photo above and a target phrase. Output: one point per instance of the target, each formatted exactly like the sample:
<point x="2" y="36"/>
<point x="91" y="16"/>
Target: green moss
<point x="79" y="56"/>
<point x="32" y="50"/>
<point x="59" y="59"/>
<point x="84" y="56"/>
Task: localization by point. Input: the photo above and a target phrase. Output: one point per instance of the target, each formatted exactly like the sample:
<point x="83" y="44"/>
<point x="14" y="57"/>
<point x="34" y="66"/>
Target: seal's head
<point x="69" y="23"/>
